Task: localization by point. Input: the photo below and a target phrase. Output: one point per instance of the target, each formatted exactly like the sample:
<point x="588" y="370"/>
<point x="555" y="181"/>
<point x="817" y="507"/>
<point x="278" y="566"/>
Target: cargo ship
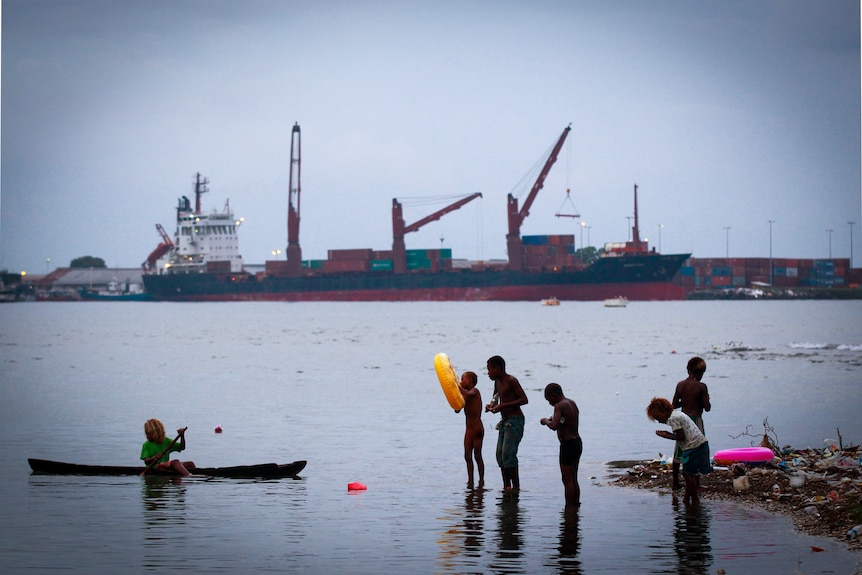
<point x="202" y="261"/>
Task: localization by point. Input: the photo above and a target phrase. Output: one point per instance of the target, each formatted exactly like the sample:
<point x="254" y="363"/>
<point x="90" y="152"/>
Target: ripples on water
<point x="351" y="388"/>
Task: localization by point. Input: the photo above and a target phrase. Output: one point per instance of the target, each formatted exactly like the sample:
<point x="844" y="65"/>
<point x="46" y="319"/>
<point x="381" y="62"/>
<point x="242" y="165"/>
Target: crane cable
<point x="560" y="213"/>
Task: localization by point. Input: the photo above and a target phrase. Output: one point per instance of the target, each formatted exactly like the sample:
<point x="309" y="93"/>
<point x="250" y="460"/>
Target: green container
<point x="418" y="264"/>
<point x="381" y="265"/>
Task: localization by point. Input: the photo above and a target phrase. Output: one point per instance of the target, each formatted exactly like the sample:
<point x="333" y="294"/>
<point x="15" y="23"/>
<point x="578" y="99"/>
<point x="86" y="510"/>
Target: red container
<point x="275" y="267"/>
<point x="356" y="254"/>
<point x="335" y="266"/>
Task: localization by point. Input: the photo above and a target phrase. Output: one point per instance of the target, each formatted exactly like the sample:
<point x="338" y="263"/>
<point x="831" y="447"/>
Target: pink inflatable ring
<point x="749" y="455"/>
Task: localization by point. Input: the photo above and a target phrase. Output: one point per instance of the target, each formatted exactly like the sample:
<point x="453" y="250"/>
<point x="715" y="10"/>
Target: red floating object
<point x="817" y="549"/>
<point x="218" y="429"/>
<point x="356" y="486"/>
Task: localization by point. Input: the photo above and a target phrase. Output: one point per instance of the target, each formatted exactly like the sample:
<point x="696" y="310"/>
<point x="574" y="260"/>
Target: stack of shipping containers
<point x="549" y="251"/>
<point x="725" y="273"/>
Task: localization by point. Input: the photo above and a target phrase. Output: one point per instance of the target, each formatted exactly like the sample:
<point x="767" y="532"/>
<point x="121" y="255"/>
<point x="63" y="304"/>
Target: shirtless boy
<point x="511" y="398"/>
<point x="693" y="397"/>
<point x="475" y="432"/>
<point x="565" y="422"/>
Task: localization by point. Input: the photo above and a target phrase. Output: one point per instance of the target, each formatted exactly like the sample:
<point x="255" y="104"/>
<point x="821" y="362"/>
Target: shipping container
<point x="220" y="266"/>
<point x="355" y="254"/>
<point x="536" y="249"/>
<point x="275" y="267"/>
<point x="419" y="263"/>
<point x="534" y="240"/>
<point x="381" y="265"/>
<point x="561" y="240"/>
<point x="784" y="281"/>
<point x="339" y="265"/>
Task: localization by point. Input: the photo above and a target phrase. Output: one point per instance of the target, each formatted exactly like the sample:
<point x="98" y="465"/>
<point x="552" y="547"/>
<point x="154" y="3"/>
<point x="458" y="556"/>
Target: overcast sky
<point x="724" y="113"/>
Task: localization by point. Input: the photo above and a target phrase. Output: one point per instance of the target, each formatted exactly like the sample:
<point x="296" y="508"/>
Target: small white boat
<point x="551" y="301"/>
<point x="619" y="301"/>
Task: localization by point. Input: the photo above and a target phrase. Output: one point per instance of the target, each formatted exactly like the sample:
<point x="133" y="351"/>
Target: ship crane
<point x="399" y="230"/>
<point x="163" y="248"/>
<point x="294" y="251"/>
<point x="516" y="217"/>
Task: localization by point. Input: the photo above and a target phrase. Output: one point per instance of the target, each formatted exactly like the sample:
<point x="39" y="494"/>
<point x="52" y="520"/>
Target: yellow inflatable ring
<point x="448" y="381"/>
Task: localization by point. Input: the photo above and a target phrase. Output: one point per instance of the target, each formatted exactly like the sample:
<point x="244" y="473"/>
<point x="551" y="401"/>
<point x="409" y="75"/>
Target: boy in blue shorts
<point x="695" y="447"/>
<point x="511" y="427"/>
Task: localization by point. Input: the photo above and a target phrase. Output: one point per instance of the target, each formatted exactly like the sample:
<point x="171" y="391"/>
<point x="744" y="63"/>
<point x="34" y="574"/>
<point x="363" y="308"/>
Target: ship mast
<point x="200" y="189"/>
<point x="294" y="251"/>
<point x="636" y="238"/>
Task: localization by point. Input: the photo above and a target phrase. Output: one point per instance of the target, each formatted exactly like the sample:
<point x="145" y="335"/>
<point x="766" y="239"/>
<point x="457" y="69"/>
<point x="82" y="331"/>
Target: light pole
<point x="48" y="263"/>
<point x="770" y="250"/>
<point x="829" y="231"/>
<point x="583" y="225"/>
<point x="660" y="226"/>
<point x="591" y="227"/>
<point x="851" y="243"/>
<point x="726" y="242"/>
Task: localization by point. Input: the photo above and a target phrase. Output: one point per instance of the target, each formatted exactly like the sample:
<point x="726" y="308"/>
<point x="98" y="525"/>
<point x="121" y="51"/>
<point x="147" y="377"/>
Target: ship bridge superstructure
<point x="203" y="242"/>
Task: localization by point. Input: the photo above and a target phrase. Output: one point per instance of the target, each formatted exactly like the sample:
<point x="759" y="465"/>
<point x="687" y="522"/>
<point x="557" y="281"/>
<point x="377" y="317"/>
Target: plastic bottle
<point x="854" y="532"/>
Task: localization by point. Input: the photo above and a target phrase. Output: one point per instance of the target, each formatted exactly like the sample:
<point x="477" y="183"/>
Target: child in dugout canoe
<point x="159" y="447"/>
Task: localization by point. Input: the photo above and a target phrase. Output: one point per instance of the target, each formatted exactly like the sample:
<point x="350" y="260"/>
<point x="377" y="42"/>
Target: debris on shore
<point x="821" y="489"/>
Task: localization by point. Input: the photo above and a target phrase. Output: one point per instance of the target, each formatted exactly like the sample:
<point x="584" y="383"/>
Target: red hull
<point x="652" y="291"/>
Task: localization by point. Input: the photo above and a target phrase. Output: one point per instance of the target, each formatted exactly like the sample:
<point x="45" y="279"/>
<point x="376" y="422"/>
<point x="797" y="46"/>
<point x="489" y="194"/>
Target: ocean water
<point x="351" y="388"/>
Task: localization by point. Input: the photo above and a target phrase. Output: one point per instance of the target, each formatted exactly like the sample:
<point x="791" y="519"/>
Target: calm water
<point x="351" y="388"/>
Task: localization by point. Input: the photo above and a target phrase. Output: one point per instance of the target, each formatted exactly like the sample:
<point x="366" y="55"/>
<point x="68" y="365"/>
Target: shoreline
<point x="827" y="504"/>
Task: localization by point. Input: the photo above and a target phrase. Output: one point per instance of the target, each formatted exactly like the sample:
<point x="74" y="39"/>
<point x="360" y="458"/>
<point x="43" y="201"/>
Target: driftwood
<point x="769" y="439"/>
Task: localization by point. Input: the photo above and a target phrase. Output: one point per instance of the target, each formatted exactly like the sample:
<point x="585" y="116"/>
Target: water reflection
<point x="691" y="538"/>
<point x="464" y="538"/>
<point x="509" y="557"/>
<point x="474" y="524"/>
<point x="164" y="507"/>
<point x="566" y="561"/>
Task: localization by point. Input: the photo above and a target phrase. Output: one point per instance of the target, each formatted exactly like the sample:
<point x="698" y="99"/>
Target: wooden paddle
<point x="165" y="450"/>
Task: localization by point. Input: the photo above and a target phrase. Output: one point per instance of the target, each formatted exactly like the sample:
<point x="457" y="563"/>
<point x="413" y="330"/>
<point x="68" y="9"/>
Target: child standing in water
<point x="565" y="422"/>
<point x="474" y="435"/>
<point x="158" y="447"/>
<point x="692" y="396"/>
<point x="511" y="396"/>
<point x="695" y="447"/>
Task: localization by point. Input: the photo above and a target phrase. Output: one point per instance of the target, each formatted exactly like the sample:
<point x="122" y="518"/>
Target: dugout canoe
<point x="259" y="471"/>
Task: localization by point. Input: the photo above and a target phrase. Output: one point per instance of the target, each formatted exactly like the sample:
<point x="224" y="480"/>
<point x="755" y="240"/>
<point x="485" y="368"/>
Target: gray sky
<point x="725" y="113"/>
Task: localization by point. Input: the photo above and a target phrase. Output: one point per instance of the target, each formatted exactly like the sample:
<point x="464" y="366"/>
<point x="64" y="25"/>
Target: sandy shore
<point x="827" y="504"/>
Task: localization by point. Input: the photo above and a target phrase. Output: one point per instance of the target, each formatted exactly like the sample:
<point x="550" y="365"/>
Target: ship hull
<point x="642" y="277"/>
